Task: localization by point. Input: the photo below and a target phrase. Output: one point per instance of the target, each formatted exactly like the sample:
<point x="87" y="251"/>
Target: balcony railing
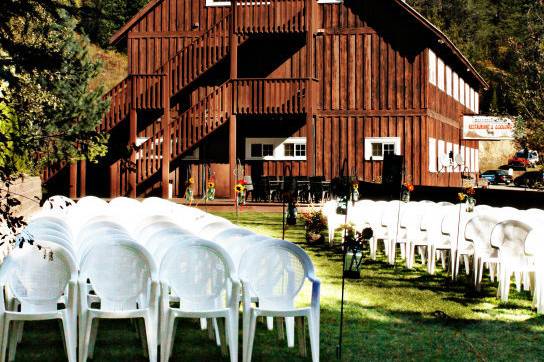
<point x="271" y="96"/>
<point x="272" y="16"/>
<point x="147" y="90"/>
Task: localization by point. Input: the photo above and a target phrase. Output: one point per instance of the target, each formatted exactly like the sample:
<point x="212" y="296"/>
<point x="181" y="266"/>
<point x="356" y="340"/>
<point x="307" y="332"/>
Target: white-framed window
<point x="276" y="149"/>
<point x="432" y="67"/>
<point x="462" y="91"/>
<point x="476" y="102"/>
<point x="450" y="155"/>
<point x="471" y="99"/>
<point x="441" y="74"/>
<point x="455" y="86"/>
<point x="464" y="156"/>
<point x="432" y="155"/>
<point x="376" y="148"/>
<point x="467" y="95"/>
<point x="472" y="160"/>
<point x="217" y="3"/>
<point x="448" y="81"/>
<point x="330" y="1"/>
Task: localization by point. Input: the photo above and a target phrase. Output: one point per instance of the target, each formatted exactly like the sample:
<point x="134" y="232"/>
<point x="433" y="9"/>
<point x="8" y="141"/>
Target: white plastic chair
<point x="210" y="231"/>
<point x="132" y="294"/>
<point x="534" y="247"/>
<point x="509" y="236"/>
<point x="148" y="232"/>
<point x="275" y="271"/>
<point x="410" y="218"/>
<point x="58" y="204"/>
<point x="374" y="221"/>
<point x="334" y="220"/>
<point x="478" y="231"/>
<point x="38" y="283"/>
<point x="390" y="222"/>
<point x="419" y="222"/>
<point x="453" y="241"/>
<point x="53" y="222"/>
<point x="201" y="274"/>
<point x="229" y="234"/>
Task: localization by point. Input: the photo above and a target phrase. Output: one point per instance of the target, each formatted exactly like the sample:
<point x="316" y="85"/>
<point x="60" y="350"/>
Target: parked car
<point x="527" y="158"/>
<point x="495" y="177"/>
<point x="515" y="167"/>
<point x="531" y="179"/>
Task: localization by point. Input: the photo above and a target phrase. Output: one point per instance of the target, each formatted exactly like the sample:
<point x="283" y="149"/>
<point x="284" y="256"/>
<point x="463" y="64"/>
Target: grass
<point x="390" y="314"/>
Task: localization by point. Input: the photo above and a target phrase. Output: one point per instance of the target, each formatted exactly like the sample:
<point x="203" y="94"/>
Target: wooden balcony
<point x="147" y="90"/>
<point x="269" y="16"/>
<point x="271" y="96"/>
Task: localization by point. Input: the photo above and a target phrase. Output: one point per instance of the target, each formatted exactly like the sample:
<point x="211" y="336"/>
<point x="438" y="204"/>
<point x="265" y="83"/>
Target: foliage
<point x="314" y="221"/>
<point x="504" y="40"/>
<point x="47" y="112"/>
<point x="102" y="18"/>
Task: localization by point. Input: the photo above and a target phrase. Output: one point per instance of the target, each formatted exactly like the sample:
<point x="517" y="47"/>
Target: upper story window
<point x="276" y="149"/>
<point x="432" y="67"/>
<point x="462" y="91"/>
<point x="330" y="1"/>
<point x="455" y="86"/>
<point x="448" y="81"/>
<point x="217" y="3"/>
<point x="376" y="148"/>
<point x="441" y="74"/>
<point x="227" y="3"/>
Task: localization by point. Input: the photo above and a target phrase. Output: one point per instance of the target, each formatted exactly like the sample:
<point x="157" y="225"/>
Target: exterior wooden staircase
<point x="140" y="92"/>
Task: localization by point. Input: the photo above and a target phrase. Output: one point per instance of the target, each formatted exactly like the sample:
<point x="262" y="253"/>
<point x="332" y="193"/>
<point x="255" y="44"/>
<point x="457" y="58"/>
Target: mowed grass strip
<point x="390" y="314"/>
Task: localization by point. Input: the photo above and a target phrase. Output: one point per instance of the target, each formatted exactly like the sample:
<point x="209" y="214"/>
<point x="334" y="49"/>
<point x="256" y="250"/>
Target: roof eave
<point x="120" y="34"/>
<point x="445" y="39"/>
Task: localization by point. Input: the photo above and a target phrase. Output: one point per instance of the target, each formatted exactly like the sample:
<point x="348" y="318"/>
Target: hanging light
<point x="353" y="249"/>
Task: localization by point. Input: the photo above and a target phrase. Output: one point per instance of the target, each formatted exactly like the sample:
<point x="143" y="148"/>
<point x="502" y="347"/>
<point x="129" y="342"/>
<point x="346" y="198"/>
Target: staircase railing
<point x="269" y="16"/>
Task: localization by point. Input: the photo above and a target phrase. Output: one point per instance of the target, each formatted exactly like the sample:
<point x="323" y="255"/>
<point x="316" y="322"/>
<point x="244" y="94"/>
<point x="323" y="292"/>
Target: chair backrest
<point x="213" y="229"/>
<point x="33" y="231"/>
<point x="535" y="247"/>
<point x="235" y="232"/>
<point x="38" y="277"/>
<point x="479" y="229"/>
<point x="392" y="212"/>
<point x="89" y="202"/>
<point x="276" y="271"/>
<point x="159" y="250"/>
<point x="198" y="271"/>
<point x="150" y="220"/>
<point x="483" y="209"/>
<point x="98" y="228"/>
<point x="151" y="229"/>
<point x="51" y="236"/>
<point x="410" y="216"/>
<point x="54" y="221"/>
<point x="125" y="203"/>
<point x="509" y="236"/>
<point x="120" y="272"/>
<point x="155" y="239"/>
<point x="237" y="246"/>
<point x="58" y="204"/>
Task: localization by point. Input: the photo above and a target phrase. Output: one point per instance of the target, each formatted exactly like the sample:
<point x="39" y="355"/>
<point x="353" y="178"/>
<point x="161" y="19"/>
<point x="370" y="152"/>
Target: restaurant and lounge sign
<point x="488" y="128"/>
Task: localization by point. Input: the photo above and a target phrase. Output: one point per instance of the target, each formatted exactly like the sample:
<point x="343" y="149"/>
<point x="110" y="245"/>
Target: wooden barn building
<point x="283" y="86"/>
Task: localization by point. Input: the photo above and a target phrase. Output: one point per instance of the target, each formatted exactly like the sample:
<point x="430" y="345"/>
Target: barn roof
<point x="122" y="32"/>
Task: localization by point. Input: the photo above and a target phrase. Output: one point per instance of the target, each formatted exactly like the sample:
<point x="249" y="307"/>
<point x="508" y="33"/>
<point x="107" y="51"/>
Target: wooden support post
<point x="114" y="179"/>
<point x="132" y="134"/>
<point x="82" y="178"/>
<point x="233" y="43"/>
<point x="310" y="101"/>
<point x="166" y="137"/>
<point x="72" y="193"/>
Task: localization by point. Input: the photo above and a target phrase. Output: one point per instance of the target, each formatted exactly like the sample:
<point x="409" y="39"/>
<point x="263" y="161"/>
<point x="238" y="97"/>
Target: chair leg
<point x="92" y="341"/>
<point x="5" y="335"/>
<point x="13" y="341"/>
<point x="216" y="332"/>
<point x="85" y="339"/>
<point x="301" y="336"/>
<point x="232" y="337"/>
<point x="151" y="337"/>
<point x="314" y="340"/>
<point x="168" y="325"/>
<point x="20" y="331"/>
<point x="467" y="264"/>
<point x="203" y="324"/>
<point x="290" y="331"/>
<point x="251" y="336"/>
<point x="517" y="277"/>
<point x="69" y="338"/>
<point x="270" y="323"/>
<point x="142" y="336"/>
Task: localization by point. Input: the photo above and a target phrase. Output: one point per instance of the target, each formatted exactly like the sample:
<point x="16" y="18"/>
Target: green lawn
<point x="391" y="314"/>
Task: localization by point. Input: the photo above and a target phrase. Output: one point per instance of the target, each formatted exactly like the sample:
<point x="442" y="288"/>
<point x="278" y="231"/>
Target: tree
<point x="102" y="18"/>
<point x="527" y="81"/>
<point x="47" y="112"/>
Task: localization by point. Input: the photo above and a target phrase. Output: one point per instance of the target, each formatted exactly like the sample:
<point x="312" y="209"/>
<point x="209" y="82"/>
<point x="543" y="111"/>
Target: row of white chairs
<point x="154" y="261"/>
<point x="506" y="240"/>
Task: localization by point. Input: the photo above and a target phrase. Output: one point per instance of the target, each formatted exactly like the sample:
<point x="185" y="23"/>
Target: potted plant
<point x="315" y="224"/>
